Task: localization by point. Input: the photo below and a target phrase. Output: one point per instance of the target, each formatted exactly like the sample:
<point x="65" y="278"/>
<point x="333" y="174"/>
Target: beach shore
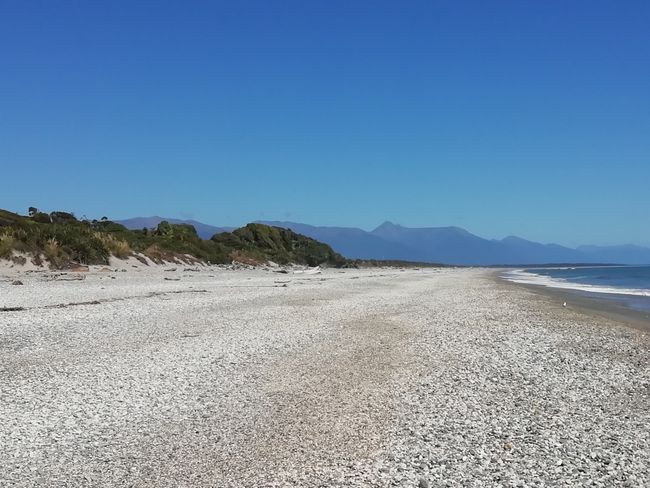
<point x="613" y="308"/>
<point x="199" y="376"/>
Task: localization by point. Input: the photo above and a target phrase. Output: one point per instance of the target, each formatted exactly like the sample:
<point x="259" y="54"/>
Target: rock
<point x="423" y="483"/>
<point x="17" y="282"/>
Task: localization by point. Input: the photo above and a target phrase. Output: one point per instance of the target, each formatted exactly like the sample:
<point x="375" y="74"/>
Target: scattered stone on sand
<point x="408" y="379"/>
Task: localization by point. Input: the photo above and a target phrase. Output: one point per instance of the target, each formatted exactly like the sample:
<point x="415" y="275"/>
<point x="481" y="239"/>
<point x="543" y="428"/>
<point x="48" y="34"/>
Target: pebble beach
<point x="177" y="376"/>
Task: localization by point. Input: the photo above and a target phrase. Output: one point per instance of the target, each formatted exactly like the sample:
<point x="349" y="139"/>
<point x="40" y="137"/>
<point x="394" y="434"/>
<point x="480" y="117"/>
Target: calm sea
<point x="630" y="283"/>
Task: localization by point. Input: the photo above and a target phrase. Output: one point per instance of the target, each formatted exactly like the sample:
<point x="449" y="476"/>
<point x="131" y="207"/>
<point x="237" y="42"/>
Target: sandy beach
<point x="198" y="376"/>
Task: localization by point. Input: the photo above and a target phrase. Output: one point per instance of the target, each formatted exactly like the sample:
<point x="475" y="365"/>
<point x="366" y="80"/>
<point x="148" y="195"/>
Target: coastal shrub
<point x="41" y="218"/>
<point x="7" y="244"/>
<point x="264" y="243"/>
<point x="62" y="218"/>
<point x="119" y="249"/>
<point x="79" y="243"/>
<point x="9" y="218"/>
<point x="60" y="238"/>
<point x="182" y="232"/>
<point x="54" y="254"/>
<point x="115" y="246"/>
<point x="164" y="229"/>
<point x="109" y="226"/>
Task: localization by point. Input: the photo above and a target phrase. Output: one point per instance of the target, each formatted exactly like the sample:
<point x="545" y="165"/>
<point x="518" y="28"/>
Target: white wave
<point x="526" y="277"/>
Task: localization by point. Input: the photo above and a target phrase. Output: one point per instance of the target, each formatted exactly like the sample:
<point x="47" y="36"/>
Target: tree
<point x="164" y="228"/>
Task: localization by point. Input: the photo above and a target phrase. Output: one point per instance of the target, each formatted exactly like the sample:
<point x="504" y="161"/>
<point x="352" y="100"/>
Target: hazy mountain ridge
<point x="349" y="241"/>
<point x="449" y="245"/>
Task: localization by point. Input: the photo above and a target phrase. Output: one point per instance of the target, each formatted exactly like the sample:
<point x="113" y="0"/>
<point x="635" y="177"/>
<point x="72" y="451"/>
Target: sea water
<point x="629" y="283"/>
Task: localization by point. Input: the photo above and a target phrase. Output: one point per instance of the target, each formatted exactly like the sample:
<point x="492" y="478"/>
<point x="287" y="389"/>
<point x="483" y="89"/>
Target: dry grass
<point x="54" y="254"/>
<point x="7" y="245"/>
<point x="117" y="247"/>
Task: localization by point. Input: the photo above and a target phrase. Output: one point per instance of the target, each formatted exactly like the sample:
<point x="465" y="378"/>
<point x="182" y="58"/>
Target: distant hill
<point x="523" y="251"/>
<point x="442" y="244"/>
<point x="204" y="231"/>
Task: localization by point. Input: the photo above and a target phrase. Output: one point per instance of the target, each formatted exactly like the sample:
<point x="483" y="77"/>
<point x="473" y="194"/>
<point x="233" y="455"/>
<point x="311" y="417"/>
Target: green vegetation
<point x="61" y="238"/>
<point x="265" y="243"/>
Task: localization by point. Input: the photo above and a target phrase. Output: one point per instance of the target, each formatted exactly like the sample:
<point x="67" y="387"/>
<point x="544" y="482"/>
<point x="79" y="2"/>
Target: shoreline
<point x="608" y="307"/>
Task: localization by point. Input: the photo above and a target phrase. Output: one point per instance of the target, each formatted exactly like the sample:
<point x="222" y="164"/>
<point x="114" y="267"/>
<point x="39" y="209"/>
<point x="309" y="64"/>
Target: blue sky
<point x="503" y="117"/>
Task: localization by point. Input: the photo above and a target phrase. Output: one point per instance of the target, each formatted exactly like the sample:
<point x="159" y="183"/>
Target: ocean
<point x="629" y="284"/>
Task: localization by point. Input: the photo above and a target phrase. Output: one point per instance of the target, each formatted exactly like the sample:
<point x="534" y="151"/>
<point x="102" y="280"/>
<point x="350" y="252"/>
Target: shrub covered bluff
<point x="59" y="238"/>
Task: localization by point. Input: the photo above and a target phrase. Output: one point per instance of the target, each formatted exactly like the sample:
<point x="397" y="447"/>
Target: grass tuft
<point x="7" y="245"/>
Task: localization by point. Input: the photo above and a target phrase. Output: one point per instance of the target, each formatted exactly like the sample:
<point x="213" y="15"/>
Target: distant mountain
<point x="523" y="251"/>
<point x="450" y="245"/>
<point x="442" y="244"/>
<point x="204" y="231"/>
<point x="454" y="245"/>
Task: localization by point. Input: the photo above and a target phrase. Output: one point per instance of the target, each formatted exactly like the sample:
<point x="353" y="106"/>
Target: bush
<point x="62" y="218"/>
<point x="61" y="238"/>
<point x="54" y="254"/>
<point x="115" y="246"/>
<point x="7" y="245"/>
<point x="41" y="218"/>
<point x="119" y="249"/>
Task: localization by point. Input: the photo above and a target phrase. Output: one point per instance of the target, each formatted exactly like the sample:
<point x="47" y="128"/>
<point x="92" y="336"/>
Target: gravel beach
<point x="178" y="377"/>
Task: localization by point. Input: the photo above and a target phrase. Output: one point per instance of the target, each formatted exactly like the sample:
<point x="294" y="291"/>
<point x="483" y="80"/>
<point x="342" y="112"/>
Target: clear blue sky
<point x="504" y="117"/>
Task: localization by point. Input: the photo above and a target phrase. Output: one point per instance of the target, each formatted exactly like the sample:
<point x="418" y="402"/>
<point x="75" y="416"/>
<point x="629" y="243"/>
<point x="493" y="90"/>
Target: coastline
<point x="602" y="306"/>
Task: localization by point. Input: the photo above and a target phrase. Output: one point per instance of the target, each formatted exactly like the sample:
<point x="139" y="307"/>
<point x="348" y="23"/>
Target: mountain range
<point x="449" y="245"/>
